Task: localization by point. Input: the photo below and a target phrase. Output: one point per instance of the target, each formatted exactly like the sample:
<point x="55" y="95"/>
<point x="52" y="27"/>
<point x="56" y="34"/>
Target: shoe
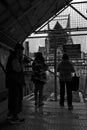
<point x="17" y="121"/>
<point x="70" y="108"/>
<point x="41" y="104"/>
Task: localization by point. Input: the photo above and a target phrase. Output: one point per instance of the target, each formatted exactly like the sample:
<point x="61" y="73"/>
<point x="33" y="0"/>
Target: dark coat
<point x="14" y="83"/>
<point x="39" y="72"/>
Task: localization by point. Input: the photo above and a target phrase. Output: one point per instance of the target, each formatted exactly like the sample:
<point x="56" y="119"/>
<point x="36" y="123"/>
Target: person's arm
<point x="58" y="70"/>
<point x="45" y="67"/>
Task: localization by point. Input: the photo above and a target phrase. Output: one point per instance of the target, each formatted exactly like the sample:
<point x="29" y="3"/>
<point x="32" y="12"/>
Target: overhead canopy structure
<point x="20" y="18"/>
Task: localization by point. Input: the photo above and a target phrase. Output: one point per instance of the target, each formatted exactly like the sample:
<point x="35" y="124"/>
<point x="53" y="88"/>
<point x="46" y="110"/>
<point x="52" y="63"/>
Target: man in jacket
<point x="14" y="83"/>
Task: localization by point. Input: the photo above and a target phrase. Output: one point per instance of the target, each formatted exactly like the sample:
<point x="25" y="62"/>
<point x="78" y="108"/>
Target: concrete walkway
<point x="49" y="117"/>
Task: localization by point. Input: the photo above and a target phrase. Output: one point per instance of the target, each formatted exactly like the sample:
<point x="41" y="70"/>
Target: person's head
<point x="65" y="57"/>
<point x="19" y="49"/>
<point x="39" y="56"/>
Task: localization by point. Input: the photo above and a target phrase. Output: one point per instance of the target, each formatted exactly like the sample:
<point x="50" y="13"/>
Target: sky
<point x="75" y="21"/>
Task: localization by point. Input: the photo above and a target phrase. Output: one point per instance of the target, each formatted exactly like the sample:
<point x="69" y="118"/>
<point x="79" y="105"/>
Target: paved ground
<point x="49" y="117"/>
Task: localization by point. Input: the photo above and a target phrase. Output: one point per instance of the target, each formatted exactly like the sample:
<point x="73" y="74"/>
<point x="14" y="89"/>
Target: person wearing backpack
<point x="39" y="69"/>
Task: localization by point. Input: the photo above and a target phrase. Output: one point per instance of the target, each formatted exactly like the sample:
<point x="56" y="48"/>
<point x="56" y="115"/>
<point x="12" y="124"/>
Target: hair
<point x="39" y="56"/>
<point x="65" y="57"/>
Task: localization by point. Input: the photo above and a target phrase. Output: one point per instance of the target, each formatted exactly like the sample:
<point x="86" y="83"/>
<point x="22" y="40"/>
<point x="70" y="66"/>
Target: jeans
<point x="69" y="92"/>
<point x="38" y="91"/>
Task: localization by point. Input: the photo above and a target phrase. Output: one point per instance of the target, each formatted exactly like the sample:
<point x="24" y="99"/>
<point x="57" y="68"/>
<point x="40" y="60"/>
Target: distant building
<point x="60" y="36"/>
<point x="83" y="55"/>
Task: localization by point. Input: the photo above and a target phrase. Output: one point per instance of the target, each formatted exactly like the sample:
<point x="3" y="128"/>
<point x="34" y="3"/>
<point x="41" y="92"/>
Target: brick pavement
<point x="49" y="117"/>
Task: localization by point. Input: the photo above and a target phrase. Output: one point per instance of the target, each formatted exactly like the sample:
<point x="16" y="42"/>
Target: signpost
<point x="73" y="50"/>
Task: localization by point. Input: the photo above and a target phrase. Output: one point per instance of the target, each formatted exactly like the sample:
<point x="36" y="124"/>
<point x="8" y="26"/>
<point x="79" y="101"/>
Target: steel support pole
<point x="55" y="70"/>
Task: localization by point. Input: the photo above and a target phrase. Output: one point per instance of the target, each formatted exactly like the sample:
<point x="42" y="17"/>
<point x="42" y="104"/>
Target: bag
<point x="75" y="83"/>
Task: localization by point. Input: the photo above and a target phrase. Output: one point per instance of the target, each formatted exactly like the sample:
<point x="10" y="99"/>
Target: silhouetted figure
<point x="39" y="77"/>
<point x="14" y="83"/>
<point x="65" y="69"/>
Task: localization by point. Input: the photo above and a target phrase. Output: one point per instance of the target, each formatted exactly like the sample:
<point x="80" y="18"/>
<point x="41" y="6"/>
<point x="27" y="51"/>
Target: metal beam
<point x="32" y="37"/>
<point x="60" y="19"/>
<point x="78" y="12"/>
<point x="59" y="30"/>
<point x="81" y="2"/>
<point x="10" y="38"/>
<point x="4" y="45"/>
<point x="52" y="18"/>
<point x="62" y="11"/>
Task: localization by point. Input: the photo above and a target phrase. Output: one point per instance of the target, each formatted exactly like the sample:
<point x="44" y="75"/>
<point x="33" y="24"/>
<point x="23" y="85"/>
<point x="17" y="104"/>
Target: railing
<point x="49" y="92"/>
<point x="48" y="87"/>
<point x="29" y="86"/>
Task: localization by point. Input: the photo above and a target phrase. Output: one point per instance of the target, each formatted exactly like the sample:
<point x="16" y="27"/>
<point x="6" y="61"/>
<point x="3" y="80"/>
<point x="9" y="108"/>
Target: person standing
<point x="66" y="70"/>
<point x="14" y="83"/>
<point x="39" y="69"/>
